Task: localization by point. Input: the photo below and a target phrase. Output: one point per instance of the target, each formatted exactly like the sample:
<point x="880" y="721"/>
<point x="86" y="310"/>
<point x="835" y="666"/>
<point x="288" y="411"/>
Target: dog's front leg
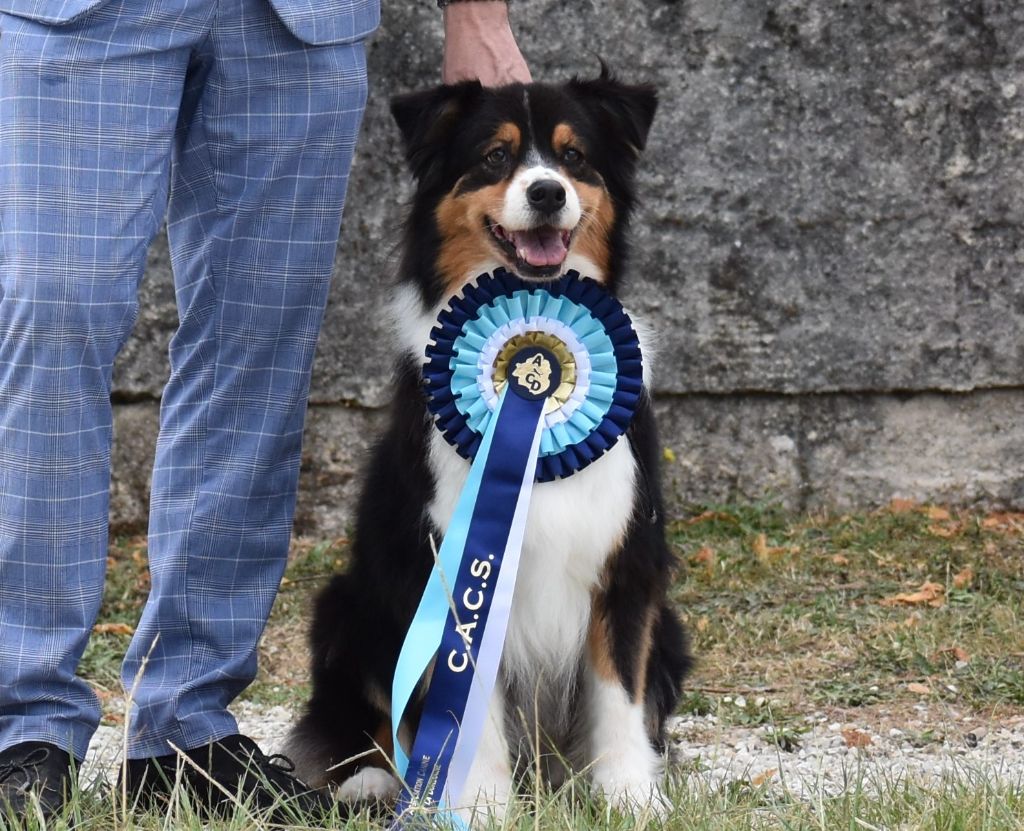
<point x="488" y="786"/>
<point x="625" y="765"/>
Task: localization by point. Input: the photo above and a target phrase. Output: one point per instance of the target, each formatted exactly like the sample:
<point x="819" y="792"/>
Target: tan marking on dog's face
<point x="465" y="240"/>
<point x="592" y="238"/>
<point x="564" y="137"/>
<point x="509" y="135"/>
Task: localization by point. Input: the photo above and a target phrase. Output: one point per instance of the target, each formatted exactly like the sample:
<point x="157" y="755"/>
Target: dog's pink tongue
<point x="539" y="246"/>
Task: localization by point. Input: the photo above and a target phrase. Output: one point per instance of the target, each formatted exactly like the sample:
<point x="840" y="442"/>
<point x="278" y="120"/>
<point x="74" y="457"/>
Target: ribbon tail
<point x="493" y="642"/>
<point x="471" y="638"/>
<point x="424" y="635"/>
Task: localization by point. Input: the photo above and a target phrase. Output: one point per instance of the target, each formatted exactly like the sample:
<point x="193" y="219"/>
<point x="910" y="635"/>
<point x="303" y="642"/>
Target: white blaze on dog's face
<point x="536" y="179"/>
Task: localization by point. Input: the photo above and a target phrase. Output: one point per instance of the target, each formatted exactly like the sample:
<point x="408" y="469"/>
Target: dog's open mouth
<point x="536" y="251"/>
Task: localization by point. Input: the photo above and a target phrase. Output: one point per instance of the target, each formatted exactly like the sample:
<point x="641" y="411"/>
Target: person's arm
<point x="479" y="44"/>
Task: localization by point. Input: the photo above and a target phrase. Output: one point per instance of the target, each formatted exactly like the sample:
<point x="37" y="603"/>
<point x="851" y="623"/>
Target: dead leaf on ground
<point x="945" y="531"/>
<point x="1011" y="522"/>
<point x="113" y="629"/>
<point x="840" y="560"/>
<point x="963" y="578"/>
<point x="707" y="516"/>
<point x="958" y="653"/>
<point x="771" y="553"/>
<point x="855" y="738"/>
<point x="705" y="557"/>
<point x="902" y="506"/>
<point x="929" y="594"/>
<point x="761" y="778"/>
<point x="920" y="689"/>
<point x="936" y="514"/>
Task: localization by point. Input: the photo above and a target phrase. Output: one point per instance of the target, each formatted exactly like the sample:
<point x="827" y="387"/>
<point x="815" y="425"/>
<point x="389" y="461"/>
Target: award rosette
<point x="532" y="382"/>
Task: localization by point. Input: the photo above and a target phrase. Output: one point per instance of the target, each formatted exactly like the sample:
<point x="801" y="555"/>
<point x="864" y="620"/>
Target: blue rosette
<point x="574" y="320"/>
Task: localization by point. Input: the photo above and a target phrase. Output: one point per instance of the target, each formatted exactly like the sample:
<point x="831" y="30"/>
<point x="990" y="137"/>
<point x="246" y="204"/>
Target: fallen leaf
<point x="936" y="514"/>
<point x="703" y="623"/>
<point x="706" y="516"/>
<point x="931" y="594"/>
<point x="669" y="454"/>
<point x="705" y="557"/>
<point x="840" y="560"/>
<point x="944" y="531"/>
<point x="1007" y="521"/>
<point x="920" y="689"/>
<point x="963" y="578"/>
<point x="761" y="778"/>
<point x="769" y="553"/>
<point x="855" y="738"/>
<point x="901" y="506"/>
<point x="113" y="629"/>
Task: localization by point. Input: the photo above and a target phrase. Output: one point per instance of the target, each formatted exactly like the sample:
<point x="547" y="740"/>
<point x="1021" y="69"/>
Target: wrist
<point x="475" y="13"/>
<point x="444" y="4"/>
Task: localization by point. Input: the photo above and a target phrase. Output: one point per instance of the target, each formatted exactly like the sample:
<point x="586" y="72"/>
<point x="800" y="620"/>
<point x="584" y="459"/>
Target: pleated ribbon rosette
<point x="532" y="382"/>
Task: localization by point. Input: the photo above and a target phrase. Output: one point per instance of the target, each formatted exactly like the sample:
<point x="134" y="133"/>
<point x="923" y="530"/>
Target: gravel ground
<point x="821" y="757"/>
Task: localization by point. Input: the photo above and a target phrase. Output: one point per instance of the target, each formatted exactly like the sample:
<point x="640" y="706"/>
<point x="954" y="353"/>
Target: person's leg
<point x="255" y="211"/>
<point x="87" y="114"/>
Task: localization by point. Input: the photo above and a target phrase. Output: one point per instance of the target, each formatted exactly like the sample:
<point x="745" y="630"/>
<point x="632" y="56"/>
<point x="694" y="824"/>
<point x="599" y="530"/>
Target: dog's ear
<point x="427" y="120"/>
<point x="622" y="109"/>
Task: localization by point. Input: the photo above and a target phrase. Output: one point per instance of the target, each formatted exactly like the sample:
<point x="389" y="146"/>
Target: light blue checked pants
<point x="212" y="114"/>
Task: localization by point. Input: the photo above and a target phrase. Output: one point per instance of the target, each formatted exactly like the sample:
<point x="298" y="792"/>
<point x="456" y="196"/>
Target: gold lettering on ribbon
<point x="534" y="374"/>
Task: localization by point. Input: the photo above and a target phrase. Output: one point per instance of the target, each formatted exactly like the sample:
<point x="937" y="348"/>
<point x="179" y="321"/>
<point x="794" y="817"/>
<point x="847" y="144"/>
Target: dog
<point x="537" y="179"/>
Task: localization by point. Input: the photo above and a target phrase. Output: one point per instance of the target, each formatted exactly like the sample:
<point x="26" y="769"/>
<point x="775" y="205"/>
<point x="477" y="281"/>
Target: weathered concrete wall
<point x="830" y="243"/>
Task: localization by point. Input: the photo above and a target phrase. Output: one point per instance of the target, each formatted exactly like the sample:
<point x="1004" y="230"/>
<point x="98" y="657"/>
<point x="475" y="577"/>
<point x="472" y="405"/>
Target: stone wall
<point x="830" y="245"/>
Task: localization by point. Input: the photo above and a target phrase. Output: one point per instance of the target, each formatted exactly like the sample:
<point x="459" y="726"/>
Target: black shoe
<point x="36" y="768"/>
<point x="232" y="773"/>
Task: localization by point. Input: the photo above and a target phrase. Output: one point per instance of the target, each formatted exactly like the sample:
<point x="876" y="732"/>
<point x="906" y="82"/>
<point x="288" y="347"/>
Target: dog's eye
<point x="572" y="156"/>
<point x="497" y="157"/>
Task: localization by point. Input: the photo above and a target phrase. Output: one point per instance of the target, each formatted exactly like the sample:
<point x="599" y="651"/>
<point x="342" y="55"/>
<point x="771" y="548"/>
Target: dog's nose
<point x="546" y="196"/>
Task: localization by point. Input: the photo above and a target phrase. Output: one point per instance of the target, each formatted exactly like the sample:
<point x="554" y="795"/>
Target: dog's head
<point x="536" y="178"/>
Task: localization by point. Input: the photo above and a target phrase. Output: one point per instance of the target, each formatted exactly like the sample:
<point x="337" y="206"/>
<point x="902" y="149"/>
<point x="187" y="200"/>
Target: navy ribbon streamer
<point x="499" y="495"/>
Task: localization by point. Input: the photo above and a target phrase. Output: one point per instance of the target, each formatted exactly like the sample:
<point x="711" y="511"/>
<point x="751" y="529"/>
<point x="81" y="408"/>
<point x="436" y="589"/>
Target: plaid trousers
<point x="217" y="115"/>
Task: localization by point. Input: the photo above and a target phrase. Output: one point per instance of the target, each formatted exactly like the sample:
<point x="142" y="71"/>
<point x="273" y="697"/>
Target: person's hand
<point x="479" y="45"/>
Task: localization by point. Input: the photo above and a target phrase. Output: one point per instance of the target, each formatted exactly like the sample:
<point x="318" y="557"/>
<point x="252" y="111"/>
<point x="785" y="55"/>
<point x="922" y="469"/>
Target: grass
<point x="892" y="608"/>
<point x="909" y="617"/>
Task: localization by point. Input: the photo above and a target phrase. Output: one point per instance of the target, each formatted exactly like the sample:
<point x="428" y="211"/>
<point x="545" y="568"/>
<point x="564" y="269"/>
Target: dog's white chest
<point x="573" y="526"/>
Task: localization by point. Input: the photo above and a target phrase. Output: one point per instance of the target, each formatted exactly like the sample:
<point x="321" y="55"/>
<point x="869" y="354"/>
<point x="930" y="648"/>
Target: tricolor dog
<point x="536" y="179"/>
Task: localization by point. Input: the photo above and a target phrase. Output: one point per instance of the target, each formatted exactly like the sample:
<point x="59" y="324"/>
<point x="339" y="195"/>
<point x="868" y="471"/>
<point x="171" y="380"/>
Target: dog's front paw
<point x="369" y="785"/>
<point x="632" y="794"/>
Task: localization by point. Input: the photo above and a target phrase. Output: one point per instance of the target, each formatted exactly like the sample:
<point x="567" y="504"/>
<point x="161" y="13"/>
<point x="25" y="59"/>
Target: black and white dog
<point x="537" y="179"/>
